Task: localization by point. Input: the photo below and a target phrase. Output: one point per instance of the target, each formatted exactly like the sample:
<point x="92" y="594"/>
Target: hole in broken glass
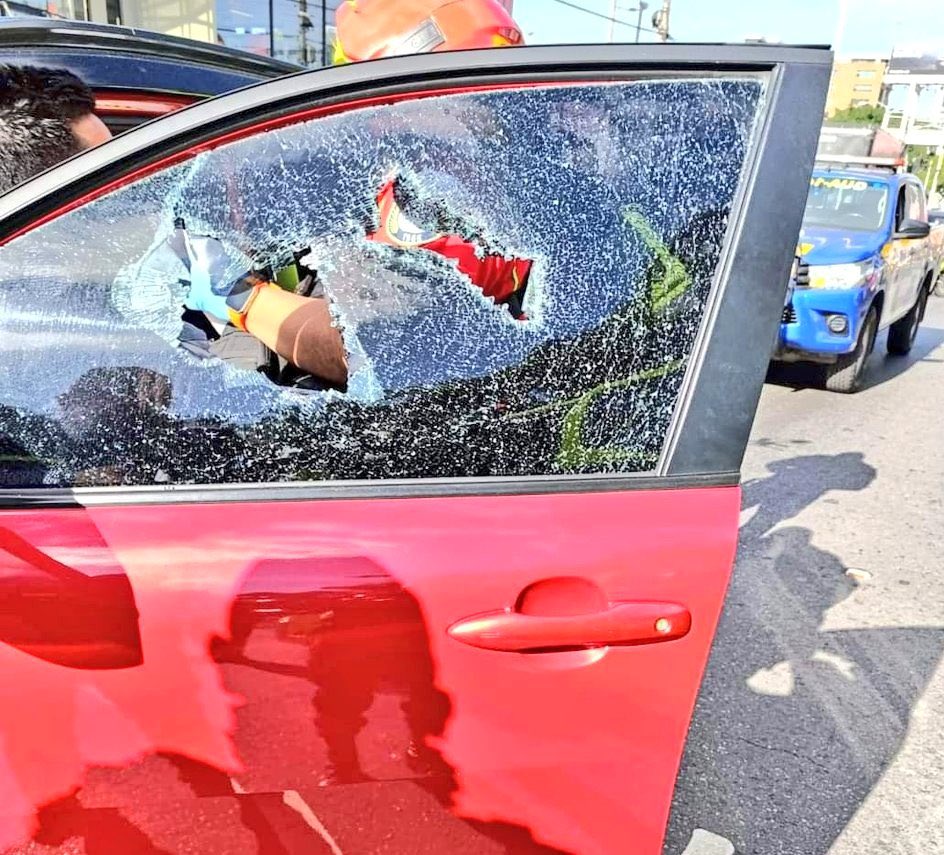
<point x="413" y="249"/>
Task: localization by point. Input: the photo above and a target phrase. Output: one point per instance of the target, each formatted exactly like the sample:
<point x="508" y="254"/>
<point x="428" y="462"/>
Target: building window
<point x="292" y="30"/>
<point x="862" y="87"/>
<point x="865" y="75"/>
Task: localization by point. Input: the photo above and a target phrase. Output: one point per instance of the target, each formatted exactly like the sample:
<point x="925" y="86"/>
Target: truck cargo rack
<point x="842" y="161"/>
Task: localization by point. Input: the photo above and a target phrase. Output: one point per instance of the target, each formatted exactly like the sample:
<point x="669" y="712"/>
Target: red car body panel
<point x="295" y="659"/>
<point x="142" y="105"/>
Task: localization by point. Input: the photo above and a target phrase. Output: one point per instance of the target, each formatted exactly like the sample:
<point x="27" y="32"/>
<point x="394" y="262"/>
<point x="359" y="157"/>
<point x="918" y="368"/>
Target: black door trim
<point x="346" y="490"/>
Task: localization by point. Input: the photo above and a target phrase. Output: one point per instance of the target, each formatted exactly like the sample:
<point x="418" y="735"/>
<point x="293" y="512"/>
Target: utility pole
<point x="840" y="25"/>
<point x="614" y="8"/>
<point x="935" y="174"/>
<point x="661" y="20"/>
<point x="324" y="33"/>
<point x="304" y="25"/>
<point x="642" y="8"/>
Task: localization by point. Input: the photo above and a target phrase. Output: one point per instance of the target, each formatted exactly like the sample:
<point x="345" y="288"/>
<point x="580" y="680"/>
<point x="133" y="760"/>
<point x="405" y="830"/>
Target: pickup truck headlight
<point x="840" y="277"/>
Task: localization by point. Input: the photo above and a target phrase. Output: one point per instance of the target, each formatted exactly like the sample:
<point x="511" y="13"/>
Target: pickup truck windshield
<point x="846" y="203"/>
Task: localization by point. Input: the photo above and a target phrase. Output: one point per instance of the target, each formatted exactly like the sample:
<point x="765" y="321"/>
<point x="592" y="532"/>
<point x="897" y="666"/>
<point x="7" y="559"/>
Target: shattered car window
<point x="615" y="198"/>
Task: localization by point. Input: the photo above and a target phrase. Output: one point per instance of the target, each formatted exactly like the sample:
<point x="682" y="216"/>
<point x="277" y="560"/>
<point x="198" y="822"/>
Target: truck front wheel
<point x="902" y="333"/>
<point x="845" y="374"/>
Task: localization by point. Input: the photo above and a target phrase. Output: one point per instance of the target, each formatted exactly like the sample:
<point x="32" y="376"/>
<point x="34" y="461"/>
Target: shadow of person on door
<point x="343" y="711"/>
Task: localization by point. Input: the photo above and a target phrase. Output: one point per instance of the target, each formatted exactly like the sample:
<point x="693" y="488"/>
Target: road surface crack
<point x="779" y="750"/>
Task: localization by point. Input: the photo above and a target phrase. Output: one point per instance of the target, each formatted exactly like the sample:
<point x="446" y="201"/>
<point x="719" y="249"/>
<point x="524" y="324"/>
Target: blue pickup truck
<point x="864" y="263"/>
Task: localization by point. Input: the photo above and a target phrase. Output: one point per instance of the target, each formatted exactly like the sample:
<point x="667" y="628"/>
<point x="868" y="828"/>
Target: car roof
<point x="871" y="175"/>
<point x="99" y="54"/>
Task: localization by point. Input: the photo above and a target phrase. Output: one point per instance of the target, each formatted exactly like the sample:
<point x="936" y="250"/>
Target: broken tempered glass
<point x="618" y="192"/>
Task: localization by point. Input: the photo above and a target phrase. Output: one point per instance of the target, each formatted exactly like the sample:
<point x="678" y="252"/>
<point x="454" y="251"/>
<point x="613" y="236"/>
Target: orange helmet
<point x="370" y="29"/>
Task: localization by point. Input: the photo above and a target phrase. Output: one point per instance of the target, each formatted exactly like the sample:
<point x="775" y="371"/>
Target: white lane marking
<point x="294" y="800"/>
<point x="706" y="843"/>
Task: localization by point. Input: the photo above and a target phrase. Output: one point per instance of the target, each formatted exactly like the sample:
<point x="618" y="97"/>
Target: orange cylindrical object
<point x="371" y="29"/>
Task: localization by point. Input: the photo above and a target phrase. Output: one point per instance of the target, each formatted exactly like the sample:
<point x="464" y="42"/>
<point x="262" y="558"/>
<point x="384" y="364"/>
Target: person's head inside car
<point x="46" y="116"/>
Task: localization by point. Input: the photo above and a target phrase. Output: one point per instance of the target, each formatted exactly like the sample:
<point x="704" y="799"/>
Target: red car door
<point x="462" y="604"/>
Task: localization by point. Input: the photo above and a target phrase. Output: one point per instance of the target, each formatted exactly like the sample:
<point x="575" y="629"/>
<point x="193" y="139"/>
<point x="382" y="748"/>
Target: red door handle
<point x="621" y="624"/>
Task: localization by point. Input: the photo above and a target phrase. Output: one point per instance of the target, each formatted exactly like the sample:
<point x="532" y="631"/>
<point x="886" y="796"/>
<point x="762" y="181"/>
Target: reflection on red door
<point x="289" y="683"/>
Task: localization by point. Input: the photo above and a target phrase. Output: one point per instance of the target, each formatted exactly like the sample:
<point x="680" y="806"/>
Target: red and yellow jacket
<point x="502" y="279"/>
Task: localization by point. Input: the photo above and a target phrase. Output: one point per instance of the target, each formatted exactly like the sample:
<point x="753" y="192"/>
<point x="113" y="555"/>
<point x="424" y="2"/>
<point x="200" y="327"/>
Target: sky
<point x="871" y="26"/>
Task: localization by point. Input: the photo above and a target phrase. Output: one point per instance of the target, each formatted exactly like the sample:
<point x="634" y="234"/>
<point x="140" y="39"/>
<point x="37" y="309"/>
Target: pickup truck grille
<point x="803" y="275"/>
<point x="789" y="314"/>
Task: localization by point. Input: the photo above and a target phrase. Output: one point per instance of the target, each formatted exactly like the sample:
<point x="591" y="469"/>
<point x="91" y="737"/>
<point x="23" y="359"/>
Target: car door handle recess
<point x="622" y="624"/>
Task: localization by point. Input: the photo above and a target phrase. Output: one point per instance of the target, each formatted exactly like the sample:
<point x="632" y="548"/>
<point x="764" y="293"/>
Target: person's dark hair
<point x="37" y="108"/>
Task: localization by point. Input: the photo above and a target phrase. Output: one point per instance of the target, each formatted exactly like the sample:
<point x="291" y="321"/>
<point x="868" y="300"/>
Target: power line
<point x="596" y="14"/>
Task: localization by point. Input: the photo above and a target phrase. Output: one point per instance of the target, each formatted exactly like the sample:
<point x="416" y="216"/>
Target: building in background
<point x="914" y="100"/>
<point x="75" y="9"/>
<point x="299" y="31"/>
<point x="914" y="114"/>
<point x="856" y="82"/>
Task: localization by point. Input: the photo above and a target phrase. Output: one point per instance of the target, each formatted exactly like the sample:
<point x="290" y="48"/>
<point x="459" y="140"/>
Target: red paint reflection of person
<point x="370" y="717"/>
<point x="336" y="736"/>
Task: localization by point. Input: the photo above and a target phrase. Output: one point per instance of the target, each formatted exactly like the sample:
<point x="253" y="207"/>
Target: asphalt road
<point x="819" y="725"/>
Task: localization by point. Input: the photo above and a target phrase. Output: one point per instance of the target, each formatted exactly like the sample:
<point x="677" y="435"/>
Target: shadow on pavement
<point x="883" y="367"/>
<point x="795" y="724"/>
<point x="880" y="368"/>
